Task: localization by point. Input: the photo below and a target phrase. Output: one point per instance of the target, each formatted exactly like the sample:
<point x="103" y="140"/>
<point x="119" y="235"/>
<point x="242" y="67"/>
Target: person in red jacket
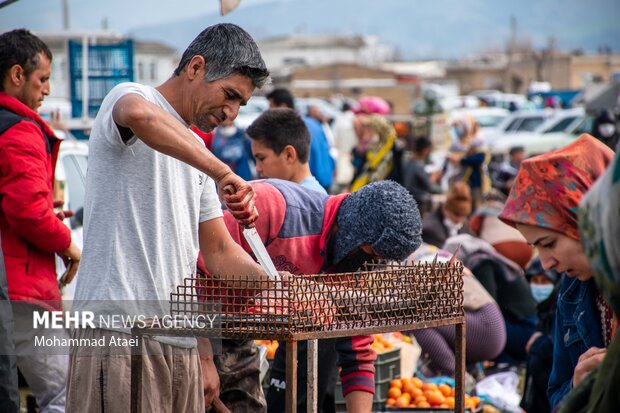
<point x="31" y="231"/>
<point x="307" y="232"/>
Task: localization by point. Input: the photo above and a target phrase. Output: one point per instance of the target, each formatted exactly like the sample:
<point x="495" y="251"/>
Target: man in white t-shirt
<point x="150" y="206"/>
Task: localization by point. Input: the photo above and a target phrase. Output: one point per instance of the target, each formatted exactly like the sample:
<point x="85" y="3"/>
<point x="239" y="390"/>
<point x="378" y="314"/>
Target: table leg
<point x="291" y="376"/>
<point x="313" y="370"/>
<point x="459" y="376"/>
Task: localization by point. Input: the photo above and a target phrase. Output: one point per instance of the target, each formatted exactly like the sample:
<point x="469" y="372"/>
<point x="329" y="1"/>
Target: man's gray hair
<point x="227" y="50"/>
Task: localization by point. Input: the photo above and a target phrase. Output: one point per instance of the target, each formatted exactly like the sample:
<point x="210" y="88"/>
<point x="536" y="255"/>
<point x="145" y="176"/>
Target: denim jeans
<point x="9" y="391"/>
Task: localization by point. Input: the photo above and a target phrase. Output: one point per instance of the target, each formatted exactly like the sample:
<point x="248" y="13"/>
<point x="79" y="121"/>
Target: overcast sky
<point x="418" y="28"/>
<point x="122" y="15"/>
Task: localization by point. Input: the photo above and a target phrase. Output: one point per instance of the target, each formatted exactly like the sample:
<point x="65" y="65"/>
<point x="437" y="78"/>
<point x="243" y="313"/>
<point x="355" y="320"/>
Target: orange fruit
<point x="429" y="386"/>
<point x="415" y="392"/>
<point x="435" y="398"/>
<point x="396" y="383"/>
<point x="391" y="402"/>
<point x="423" y="404"/>
<point x="476" y="400"/>
<point x="402" y="402"/>
<point x="417" y="382"/>
<point x="394" y="392"/>
<point x="453" y="392"/>
<point x="419" y="399"/>
<point x="470" y="403"/>
<point x="408" y="387"/>
<point x="450" y="401"/>
<point x="445" y="389"/>
<point x="407" y="396"/>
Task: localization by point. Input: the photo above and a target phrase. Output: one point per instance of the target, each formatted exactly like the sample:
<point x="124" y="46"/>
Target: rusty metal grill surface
<point x="382" y="297"/>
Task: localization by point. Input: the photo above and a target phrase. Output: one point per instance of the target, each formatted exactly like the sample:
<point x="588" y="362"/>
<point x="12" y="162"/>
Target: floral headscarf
<point x="549" y="187"/>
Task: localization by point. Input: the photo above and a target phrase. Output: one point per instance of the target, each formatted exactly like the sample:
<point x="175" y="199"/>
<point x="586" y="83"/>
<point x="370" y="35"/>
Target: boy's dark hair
<point x="516" y="149"/>
<point x="277" y="128"/>
<point x="421" y="144"/>
<point x="281" y="96"/>
<point x="20" y="47"/>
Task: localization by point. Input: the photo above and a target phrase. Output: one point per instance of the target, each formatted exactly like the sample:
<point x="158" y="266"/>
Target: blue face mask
<point x="541" y="291"/>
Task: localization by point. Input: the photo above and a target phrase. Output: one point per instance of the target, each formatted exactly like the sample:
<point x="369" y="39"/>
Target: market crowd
<point x="539" y="237"/>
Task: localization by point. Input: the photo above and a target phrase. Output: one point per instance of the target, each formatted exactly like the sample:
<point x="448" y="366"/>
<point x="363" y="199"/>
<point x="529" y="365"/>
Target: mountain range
<point x="418" y="29"/>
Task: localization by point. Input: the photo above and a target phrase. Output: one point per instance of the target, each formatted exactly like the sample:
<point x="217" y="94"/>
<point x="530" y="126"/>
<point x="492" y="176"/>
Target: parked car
<point x="520" y="121"/>
<point x="563" y="120"/>
<point x="559" y="132"/>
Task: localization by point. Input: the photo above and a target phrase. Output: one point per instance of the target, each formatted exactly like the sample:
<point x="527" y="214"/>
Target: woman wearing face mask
<point x="233" y="147"/>
<point x="449" y="219"/>
<point x="545" y="286"/>
<point x="605" y="129"/>
<point x="542" y="205"/>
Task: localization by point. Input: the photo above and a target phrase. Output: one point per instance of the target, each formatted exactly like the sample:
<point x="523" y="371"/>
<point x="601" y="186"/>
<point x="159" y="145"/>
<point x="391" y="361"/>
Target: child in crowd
<point x="281" y="147"/>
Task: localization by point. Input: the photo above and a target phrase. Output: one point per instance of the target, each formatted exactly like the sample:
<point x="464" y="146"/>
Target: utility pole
<point x="512" y="45"/>
<point x="65" y="15"/>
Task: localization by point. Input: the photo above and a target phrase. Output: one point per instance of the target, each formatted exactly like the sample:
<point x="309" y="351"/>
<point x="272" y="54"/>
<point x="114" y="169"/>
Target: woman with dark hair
<point x="543" y="206"/>
<point x="599" y="227"/>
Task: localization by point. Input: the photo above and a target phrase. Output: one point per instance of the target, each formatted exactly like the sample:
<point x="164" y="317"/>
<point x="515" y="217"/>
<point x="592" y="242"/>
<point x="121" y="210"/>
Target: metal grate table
<point x="382" y="298"/>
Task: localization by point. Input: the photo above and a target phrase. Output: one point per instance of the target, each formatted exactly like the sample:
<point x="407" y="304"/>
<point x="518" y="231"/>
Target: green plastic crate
<point x="387" y="368"/>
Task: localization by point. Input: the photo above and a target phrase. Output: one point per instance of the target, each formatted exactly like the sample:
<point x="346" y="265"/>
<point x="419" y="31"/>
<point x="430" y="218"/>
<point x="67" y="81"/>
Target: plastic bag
<point x="501" y="390"/>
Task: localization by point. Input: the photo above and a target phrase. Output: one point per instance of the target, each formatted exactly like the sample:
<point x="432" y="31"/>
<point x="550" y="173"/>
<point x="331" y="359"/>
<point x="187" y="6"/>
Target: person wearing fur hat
<point x="542" y="205"/>
<point x="450" y="218"/>
<point x="306" y="232"/>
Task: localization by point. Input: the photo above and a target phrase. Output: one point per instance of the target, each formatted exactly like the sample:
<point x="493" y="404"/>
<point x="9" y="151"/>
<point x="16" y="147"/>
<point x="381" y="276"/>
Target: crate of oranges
<point x="415" y="395"/>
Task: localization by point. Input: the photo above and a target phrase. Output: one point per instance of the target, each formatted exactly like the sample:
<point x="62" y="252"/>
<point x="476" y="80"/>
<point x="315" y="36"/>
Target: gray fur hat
<point x="382" y="214"/>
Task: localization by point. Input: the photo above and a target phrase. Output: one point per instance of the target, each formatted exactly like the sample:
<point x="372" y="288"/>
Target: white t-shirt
<point x="141" y="214"/>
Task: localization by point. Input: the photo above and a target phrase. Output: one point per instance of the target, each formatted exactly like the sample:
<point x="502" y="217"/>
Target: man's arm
<point x="162" y="132"/>
<point x="224" y="258"/>
<point x="359" y="401"/>
<point x="356" y="359"/>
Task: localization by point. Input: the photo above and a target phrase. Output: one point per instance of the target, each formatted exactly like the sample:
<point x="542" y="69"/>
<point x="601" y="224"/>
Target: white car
<point x="520" y="121"/>
<point x="70" y="187"/>
<point x="558" y="132"/>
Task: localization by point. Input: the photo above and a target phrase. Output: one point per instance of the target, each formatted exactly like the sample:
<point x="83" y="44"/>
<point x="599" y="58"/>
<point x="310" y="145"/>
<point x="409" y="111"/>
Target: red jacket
<point x="294" y="224"/>
<point x="31" y="232"/>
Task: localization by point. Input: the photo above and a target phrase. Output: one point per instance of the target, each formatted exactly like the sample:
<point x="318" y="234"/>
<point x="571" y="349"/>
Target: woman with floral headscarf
<point x="599" y="225"/>
<point x="542" y="205"/>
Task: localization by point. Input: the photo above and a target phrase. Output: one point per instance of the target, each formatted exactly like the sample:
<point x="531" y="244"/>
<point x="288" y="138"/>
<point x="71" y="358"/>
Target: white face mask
<point x="453" y="227"/>
<point x="541" y="291"/>
<point x="606" y="129"/>
<point x="227" y="131"/>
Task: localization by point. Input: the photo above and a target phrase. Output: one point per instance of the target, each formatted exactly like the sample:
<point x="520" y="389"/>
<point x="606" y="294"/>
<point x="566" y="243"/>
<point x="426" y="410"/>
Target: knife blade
<point x="260" y="252"/>
<point x="256" y="244"/>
